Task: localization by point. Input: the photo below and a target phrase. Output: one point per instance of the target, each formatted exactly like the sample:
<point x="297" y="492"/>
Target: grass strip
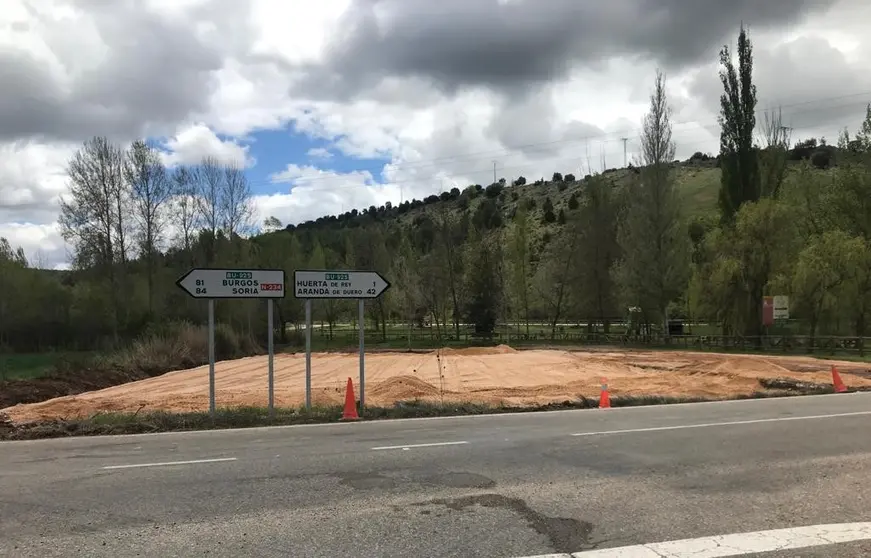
<point x="247" y="417"/>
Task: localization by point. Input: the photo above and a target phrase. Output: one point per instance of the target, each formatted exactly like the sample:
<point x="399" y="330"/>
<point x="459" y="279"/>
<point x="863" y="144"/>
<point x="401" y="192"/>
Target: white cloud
<point x="319" y="153"/>
<point x="217" y="71"/>
<point x="32" y="176"/>
<point x="194" y="143"/>
<point x="42" y="243"/>
<point x="314" y="192"/>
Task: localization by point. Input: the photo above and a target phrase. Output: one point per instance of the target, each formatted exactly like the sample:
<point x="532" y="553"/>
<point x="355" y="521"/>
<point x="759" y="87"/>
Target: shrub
<point x="493" y="190"/>
<point x="557" y="177"/>
<point x="821" y="159"/>
<point x="178" y="345"/>
<point x="573" y="202"/>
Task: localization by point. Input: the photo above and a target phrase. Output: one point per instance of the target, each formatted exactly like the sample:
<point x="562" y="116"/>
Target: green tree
<point x="405" y="270"/>
<point x="598" y="250"/>
<point x="555" y="284"/>
<point x="483" y="285"/>
<point x="654" y="267"/>
<point x="573" y="202"/>
<point x="739" y="262"/>
<point x="549" y="216"/>
<point x="738" y="158"/>
<point x="450" y="238"/>
<point x="821" y="268"/>
<point x="519" y="265"/>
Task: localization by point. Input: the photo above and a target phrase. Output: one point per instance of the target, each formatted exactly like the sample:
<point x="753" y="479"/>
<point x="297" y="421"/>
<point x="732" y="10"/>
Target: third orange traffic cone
<point x="350" y="412"/>
<point x="837" y="382"/>
<point x="604" y="398"/>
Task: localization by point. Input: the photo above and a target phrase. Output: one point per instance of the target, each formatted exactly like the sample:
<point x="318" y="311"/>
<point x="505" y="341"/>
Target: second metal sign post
<point x="336" y="284"/>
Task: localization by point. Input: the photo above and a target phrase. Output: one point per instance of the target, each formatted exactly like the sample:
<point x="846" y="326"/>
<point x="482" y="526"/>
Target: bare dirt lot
<point x="496" y="375"/>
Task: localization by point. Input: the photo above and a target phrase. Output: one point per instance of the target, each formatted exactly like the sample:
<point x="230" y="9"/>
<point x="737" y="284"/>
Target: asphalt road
<point x="501" y="486"/>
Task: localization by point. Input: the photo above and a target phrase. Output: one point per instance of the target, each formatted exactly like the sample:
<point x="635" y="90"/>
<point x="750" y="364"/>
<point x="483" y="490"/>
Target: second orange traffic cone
<point x="604" y="398"/>
<point x="837" y="382"/>
<point x="350" y="412"/>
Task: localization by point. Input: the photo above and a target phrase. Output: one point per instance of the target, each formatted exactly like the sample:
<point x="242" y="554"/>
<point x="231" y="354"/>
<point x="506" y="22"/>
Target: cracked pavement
<point x="521" y="485"/>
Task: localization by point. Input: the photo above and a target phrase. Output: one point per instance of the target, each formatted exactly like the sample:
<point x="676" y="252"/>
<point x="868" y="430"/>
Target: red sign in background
<point x="767" y="310"/>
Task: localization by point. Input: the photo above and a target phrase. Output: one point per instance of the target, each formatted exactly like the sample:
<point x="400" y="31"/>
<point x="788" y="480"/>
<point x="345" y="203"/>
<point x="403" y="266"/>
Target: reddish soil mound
<point x="493" y="375"/>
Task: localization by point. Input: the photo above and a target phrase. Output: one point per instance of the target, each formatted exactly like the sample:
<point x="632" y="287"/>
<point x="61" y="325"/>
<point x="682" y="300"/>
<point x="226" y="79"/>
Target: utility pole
<point x="625" y="162"/>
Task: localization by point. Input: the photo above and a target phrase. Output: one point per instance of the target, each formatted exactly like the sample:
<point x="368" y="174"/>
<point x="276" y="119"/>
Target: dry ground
<point x="498" y="375"/>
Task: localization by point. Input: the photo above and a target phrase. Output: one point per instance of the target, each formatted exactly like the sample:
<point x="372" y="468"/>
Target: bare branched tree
<point x="774" y="132"/>
<point x="91" y="216"/>
<point x="776" y="140"/>
<point x="210" y="187"/>
<point x="237" y="208"/>
<point x="657" y="146"/>
<point x="185" y="210"/>
<point x="151" y="190"/>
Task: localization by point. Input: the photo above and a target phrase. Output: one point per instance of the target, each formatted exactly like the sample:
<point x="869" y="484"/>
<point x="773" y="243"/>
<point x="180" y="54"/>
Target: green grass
<point x="27" y="366"/>
<point x="698" y="188"/>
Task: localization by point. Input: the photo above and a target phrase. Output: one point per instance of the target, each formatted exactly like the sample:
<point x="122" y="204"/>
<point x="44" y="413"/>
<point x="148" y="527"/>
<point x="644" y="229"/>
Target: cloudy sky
<point x="337" y="104"/>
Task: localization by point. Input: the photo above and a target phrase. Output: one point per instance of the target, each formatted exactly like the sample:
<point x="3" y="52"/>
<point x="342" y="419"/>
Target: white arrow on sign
<point x="338" y="284"/>
<point x="233" y="283"/>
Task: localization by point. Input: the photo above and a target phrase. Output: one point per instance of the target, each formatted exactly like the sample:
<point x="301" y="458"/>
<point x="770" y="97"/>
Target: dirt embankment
<point x="59" y="384"/>
<point x="496" y="375"/>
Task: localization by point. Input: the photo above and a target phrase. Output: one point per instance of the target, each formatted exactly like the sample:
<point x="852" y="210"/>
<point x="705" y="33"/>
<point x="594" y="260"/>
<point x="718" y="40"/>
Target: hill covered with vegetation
<point x="703" y="239"/>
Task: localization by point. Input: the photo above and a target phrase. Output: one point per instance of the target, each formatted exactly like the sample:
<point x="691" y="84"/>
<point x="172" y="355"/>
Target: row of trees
<point x="482" y="255"/>
<point x="131" y="222"/>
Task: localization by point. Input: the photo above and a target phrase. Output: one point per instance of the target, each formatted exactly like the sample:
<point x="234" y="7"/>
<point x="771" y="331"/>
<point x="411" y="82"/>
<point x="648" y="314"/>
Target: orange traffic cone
<point x="350" y="412"/>
<point x="837" y="382"/>
<point x="604" y="398"/>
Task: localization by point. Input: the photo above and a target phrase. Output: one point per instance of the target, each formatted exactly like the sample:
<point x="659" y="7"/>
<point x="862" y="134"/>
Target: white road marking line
<point x="710" y="424"/>
<point x="739" y="544"/>
<point x="166" y="463"/>
<point x="409" y="446"/>
<point x="796" y="399"/>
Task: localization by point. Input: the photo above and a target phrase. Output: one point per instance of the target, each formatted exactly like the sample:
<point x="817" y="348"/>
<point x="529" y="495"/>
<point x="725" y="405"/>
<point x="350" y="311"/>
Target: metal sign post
<point x="362" y="324"/>
<point x="335" y="284"/>
<point x="308" y="354"/>
<point x="270" y="335"/>
<point x="211" y="356"/>
<point x="211" y="284"/>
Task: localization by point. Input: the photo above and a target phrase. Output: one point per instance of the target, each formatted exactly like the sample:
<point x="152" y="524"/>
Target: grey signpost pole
<point x="360" y="319"/>
<point x="212" y="356"/>
<point x="308" y="354"/>
<point x="270" y="341"/>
